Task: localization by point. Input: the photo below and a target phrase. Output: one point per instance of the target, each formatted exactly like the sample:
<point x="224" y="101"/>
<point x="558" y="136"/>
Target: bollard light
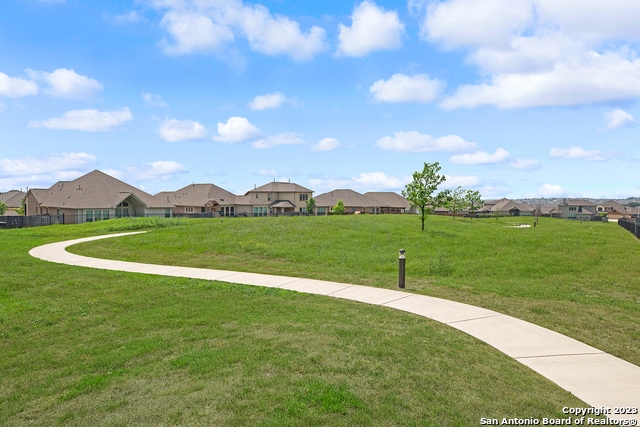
<point x="401" y="269"/>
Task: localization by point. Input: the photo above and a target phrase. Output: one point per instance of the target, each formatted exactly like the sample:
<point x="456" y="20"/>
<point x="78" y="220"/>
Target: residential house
<point x="613" y="210"/>
<point x="92" y="197"/>
<point x="274" y="198"/>
<point x="13" y="199"/>
<point x="579" y="209"/>
<point x="354" y="202"/>
<point x="390" y="202"/>
<point x="200" y="198"/>
<point x="506" y="207"/>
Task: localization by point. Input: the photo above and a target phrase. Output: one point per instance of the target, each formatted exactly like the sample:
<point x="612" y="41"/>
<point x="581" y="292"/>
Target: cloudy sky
<point x="515" y="98"/>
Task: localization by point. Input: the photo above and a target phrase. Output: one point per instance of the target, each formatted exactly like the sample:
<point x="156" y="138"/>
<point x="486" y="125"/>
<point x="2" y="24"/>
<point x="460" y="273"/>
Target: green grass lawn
<point x="82" y="346"/>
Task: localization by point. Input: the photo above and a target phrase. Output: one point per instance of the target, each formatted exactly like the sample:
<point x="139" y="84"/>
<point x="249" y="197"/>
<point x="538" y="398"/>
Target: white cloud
<point x="181" y="130"/>
<point x="66" y="83"/>
<point x="86" y="120"/>
<point x="462" y="181"/>
<point x="126" y="18"/>
<point x="590" y="78"/>
<point x="156" y="171"/>
<point x="372" y="29"/>
<point x="415" y="142"/>
<point x="539" y="52"/>
<point x="456" y="23"/>
<point x="363" y="182"/>
<point x="14" y="87"/>
<point x="267" y="101"/>
<point x="279" y="35"/>
<point x="201" y="26"/>
<point x="525" y="164"/>
<point x="326" y="144"/>
<point x="56" y="163"/>
<point x="618" y="118"/>
<point x="480" y="157"/>
<point x="267" y="172"/>
<point x="279" y="139"/>
<point x="403" y="88"/>
<point x="236" y="129"/>
<point x="550" y="190"/>
<point x="153" y="100"/>
<point x="192" y="32"/>
<point x="578" y="153"/>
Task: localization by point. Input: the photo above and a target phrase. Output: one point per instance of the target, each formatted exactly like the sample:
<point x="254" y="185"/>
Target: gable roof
<point x="198" y="195"/>
<point x="13" y="198"/>
<point x="350" y="198"/>
<point x="505" y="205"/>
<point x="389" y="199"/>
<point x="280" y="187"/>
<point x="94" y="190"/>
<point x="615" y="206"/>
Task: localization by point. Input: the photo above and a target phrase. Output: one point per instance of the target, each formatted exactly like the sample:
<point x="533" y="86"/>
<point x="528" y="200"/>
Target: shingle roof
<point x="616" y="206"/>
<point x="388" y="199"/>
<point x="198" y="195"/>
<point x="13" y="198"/>
<point x="350" y="198"/>
<point x="94" y="190"/>
<point x="280" y="187"/>
<point x="578" y="202"/>
<point x="282" y="204"/>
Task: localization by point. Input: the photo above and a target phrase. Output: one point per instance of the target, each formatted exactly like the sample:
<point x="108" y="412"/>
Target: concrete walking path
<point x="596" y="377"/>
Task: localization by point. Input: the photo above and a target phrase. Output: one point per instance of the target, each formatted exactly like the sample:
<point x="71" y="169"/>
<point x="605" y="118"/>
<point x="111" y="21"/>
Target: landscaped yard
<point x="84" y="346"/>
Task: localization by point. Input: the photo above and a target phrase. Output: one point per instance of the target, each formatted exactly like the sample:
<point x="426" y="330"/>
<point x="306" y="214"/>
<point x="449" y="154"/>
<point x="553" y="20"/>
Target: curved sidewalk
<point x="596" y="377"/>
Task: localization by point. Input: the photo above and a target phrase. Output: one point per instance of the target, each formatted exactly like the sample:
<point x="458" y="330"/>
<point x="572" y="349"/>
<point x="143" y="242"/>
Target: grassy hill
<point x="87" y="346"/>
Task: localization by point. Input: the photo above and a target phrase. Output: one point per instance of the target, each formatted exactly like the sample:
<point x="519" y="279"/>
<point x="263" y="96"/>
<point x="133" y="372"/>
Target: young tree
<point x="455" y="200"/>
<point x="311" y="205"/>
<point x="338" y="209"/>
<point x="3" y="207"/>
<point x="473" y="200"/>
<point x="420" y="191"/>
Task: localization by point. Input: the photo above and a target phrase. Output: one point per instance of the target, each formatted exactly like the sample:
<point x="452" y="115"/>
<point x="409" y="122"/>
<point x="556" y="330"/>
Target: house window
<point x="189" y="209"/>
<point x="89" y="216"/>
<point x="269" y="197"/>
<point x="572" y="208"/>
<point x="259" y="211"/>
<point x="304" y="197"/>
<point x="167" y="213"/>
<point x="122" y="210"/>
<point x="322" y="211"/>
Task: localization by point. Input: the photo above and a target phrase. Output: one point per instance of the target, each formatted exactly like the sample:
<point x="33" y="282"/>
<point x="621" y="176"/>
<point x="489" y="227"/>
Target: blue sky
<point x="527" y="98"/>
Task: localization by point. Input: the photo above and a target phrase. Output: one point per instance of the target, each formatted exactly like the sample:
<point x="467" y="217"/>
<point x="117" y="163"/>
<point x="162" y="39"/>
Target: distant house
<point x="352" y="200"/>
<point x="578" y="209"/>
<point x="390" y="202"/>
<point x="613" y="210"/>
<point x="506" y="207"/>
<point x="13" y="199"/>
<point x="93" y="197"/>
<point x="200" y="198"/>
<point x="274" y="198"/>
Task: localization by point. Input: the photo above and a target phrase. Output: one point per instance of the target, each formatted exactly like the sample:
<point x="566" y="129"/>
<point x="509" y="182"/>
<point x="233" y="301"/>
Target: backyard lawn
<point x="83" y="346"/>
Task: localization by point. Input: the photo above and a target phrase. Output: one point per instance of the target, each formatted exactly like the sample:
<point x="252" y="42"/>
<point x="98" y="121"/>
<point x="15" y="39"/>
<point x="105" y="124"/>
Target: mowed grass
<point x="82" y="346"/>
<point x="581" y="279"/>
